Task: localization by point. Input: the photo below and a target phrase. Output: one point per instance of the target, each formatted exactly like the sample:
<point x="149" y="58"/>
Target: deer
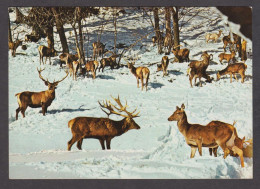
<point x="68" y="58"/>
<point x="228" y="57"/>
<point x="164" y="65"/>
<point x="73" y="69"/>
<point x="103" y="129"/>
<point x="213" y="36"/>
<point x="110" y="61"/>
<point x="31" y="38"/>
<point x="181" y="54"/>
<point x="98" y="49"/>
<point x="141" y="73"/>
<point x="243" y="51"/>
<point x="167" y="43"/>
<point x="47" y="52"/>
<point x="92" y="66"/>
<point x="41" y="99"/>
<point x="227" y="41"/>
<point x="197" y="69"/>
<point x="14" y="45"/>
<point x="198" y="136"/>
<point x="233" y="69"/>
<point x="157" y="40"/>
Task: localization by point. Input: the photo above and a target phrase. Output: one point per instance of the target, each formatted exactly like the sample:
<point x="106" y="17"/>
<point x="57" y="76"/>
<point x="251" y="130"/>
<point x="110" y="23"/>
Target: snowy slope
<point x="38" y="144"/>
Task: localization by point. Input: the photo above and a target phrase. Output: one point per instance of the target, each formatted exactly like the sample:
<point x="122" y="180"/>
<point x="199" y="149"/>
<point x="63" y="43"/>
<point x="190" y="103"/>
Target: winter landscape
<point x="38" y="144"/>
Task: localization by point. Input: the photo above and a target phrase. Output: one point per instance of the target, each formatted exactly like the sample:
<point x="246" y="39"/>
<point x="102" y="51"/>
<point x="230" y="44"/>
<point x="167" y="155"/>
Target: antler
<point x="61" y="79"/>
<point x="108" y="105"/>
<point x="39" y="71"/>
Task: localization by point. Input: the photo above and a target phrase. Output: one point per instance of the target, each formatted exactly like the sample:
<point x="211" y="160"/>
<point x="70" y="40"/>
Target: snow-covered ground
<point x="38" y="144"/>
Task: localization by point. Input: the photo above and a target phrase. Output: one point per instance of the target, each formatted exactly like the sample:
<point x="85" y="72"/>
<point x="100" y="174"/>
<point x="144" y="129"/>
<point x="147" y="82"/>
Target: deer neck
<point x="133" y="70"/>
<point x="223" y="72"/>
<point x="122" y="126"/>
<point x="51" y="93"/>
<point x="183" y="124"/>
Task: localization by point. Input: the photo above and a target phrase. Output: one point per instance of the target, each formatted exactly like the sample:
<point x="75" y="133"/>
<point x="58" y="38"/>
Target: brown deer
<point x="164" y="65"/>
<point x="228" y="57"/>
<point x="110" y="61"/>
<point x="37" y="99"/>
<point x="141" y="73"/>
<point x="13" y="46"/>
<point x="227" y="41"/>
<point x="103" y="129"/>
<point x="68" y="58"/>
<point x="92" y="66"/>
<point x="98" y="49"/>
<point x="47" y="52"/>
<point x="73" y="69"/>
<point x="233" y="69"/>
<point x="243" y="51"/>
<point x="198" y="136"/>
<point x="181" y="54"/>
<point x="197" y="69"/>
<point x="213" y="36"/>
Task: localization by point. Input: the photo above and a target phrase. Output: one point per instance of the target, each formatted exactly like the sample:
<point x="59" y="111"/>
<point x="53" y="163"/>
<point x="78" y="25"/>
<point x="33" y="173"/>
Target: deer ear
<point x="46" y="83"/>
<point x="244" y="138"/>
<point x="182" y="107"/>
<point x="177" y="108"/>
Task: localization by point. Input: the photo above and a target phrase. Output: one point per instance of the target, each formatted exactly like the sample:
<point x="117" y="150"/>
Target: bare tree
<point x="175" y="19"/>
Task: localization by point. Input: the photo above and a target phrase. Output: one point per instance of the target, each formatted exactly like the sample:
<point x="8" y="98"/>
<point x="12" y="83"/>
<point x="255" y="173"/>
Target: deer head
<point x="130" y="123"/>
<point x="51" y="86"/>
<point x="178" y="114"/>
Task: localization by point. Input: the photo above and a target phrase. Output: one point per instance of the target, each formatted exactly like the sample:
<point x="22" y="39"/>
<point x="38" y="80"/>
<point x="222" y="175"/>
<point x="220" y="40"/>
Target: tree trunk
<point x="81" y="48"/>
<point x="60" y="30"/>
<point x="168" y="36"/>
<point x="50" y="39"/>
<point x="168" y="20"/>
<point x="9" y="30"/>
<point x="175" y="26"/>
<point x="157" y="30"/>
<point x="114" y="19"/>
<point x="19" y="16"/>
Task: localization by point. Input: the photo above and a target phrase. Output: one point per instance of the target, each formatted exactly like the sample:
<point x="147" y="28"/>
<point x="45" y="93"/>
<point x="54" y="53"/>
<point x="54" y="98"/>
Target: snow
<point x="38" y="144"/>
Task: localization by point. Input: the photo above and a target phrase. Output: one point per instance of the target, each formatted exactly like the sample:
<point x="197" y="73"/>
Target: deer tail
<point x="18" y="99"/>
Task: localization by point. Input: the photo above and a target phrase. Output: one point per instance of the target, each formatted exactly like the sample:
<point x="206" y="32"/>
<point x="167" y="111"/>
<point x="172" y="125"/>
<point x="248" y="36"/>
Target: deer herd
<point x="212" y="135"/>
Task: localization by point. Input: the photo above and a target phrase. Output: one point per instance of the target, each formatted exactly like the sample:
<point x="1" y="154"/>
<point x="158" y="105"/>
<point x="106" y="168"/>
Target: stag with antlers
<point x="103" y="129"/>
<point x="37" y="99"/>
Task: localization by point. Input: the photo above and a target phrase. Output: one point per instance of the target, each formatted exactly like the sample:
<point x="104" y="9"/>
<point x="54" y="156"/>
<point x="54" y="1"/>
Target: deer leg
<point x="142" y="82"/>
<point x="43" y="109"/>
<point x="239" y="152"/>
<point x="230" y="77"/>
<point x="50" y="60"/>
<point x="235" y="76"/>
<point x="108" y="141"/>
<point x="190" y="78"/>
<point x="74" y="139"/>
<point x="93" y="75"/>
<point x="79" y="144"/>
<point x="23" y="111"/>
<point x="200" y="81"/>
<point x="102" y="142"/>
<point x="45" y="59"/>
<point x="17" y="112"/>
<point x="146" y="83"/>
<point x="137" y="82"/>
<point x="242" y="74"/>
<point x="210" y="151"/>
<point x="215" y="150"/>
<point x="199" y="143"/>
<point x="193" y="151"/>
<point x="225" y="149"/>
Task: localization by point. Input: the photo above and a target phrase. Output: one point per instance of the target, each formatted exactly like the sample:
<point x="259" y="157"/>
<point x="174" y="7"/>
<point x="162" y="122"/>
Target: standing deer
<point x="47" y="52"/>
<point x="98" y="49"/>
<point x="213" y="36"/>
<point x="164" y="65"/>
<point x="103" y="129"/>
<point x="233" y="69"/>
<point x="197" y="69"/>
<point x="37" y="99"/>
<point x="141" y="73"/>
<point x="92" y="66"/>
<point x="198" y="136"/>
<point x="13" y="46"/>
